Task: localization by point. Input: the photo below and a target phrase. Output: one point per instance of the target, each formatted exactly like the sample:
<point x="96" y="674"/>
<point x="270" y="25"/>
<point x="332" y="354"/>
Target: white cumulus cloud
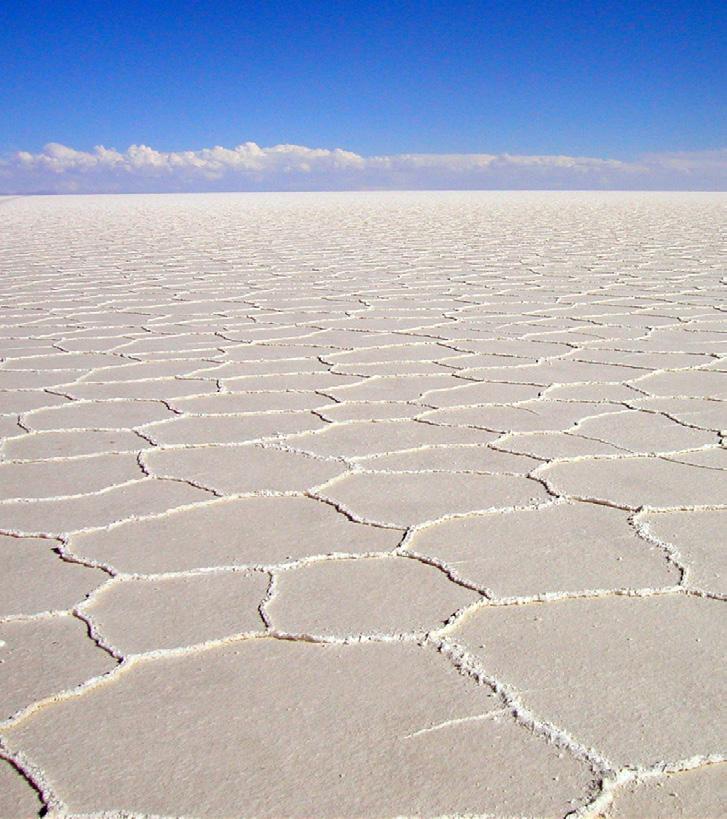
<point x="140" y="168"/>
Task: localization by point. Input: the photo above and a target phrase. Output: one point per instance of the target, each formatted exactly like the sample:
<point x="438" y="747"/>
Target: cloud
<point x="60" y="169"/>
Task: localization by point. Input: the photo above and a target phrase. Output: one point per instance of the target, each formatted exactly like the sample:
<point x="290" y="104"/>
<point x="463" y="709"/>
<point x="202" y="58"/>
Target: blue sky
<point x="615" y="80"/>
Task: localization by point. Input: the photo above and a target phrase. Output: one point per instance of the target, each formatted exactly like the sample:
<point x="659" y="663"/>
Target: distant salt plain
<point x="377" y="504"/>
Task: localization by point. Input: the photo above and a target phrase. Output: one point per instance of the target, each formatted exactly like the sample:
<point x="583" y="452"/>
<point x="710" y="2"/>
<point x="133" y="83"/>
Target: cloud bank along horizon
<point x="250" y="167"/>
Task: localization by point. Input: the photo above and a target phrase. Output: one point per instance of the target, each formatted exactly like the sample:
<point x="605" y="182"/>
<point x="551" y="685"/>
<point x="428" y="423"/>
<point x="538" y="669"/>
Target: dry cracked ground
<point x="363" y="505"/>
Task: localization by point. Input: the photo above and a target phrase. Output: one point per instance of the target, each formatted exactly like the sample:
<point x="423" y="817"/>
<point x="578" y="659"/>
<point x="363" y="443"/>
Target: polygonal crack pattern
<point x="362" y="505"/>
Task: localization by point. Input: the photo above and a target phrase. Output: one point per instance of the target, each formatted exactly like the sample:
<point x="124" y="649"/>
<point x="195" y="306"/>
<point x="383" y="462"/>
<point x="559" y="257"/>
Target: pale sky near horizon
<point x="137" y="96"/>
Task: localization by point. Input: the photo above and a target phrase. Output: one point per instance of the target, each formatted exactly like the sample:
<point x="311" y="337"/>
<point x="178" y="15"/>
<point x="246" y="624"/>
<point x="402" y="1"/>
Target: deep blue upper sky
<point x="585" y="78"/>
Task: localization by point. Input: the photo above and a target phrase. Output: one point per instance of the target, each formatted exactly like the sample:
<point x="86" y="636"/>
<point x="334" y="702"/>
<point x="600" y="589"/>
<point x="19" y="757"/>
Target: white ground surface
<point x="363" y="505"/>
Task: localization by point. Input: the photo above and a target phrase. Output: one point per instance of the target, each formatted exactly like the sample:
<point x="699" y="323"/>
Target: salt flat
<point x="363" y="505"/>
